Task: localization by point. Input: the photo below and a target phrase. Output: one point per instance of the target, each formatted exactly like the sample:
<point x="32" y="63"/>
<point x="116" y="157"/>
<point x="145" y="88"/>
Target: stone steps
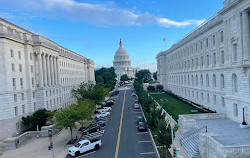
<point x="189" y="143"/>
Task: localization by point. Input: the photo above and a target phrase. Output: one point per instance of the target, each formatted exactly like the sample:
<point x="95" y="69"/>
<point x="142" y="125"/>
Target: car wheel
<point x="97" y="147"/>
<point x="77" y="153"/>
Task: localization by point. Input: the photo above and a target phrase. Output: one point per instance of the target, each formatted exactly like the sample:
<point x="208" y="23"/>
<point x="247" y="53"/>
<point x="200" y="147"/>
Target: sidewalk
<point x="38" y="148"/>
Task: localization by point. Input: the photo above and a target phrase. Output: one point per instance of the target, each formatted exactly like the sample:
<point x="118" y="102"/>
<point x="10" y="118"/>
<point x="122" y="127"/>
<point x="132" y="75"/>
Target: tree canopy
<point x="124" y="77"/>
<point x="106" y="77"/>
<point x="143" y="75"/>
<point x="155" y="76"/>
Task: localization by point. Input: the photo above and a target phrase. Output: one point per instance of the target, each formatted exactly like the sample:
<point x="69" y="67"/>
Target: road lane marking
<point x="120" y="129"/>
<point x="147" y="153"/>
<point x="138" y="112"/>
<point x="143" y="133"/>
<point x="144" y="142"/>
<point x="139" y="116"/>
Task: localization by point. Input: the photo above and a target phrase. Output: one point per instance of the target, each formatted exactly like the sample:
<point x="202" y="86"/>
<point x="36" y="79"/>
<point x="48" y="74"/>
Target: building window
<point x="12" y="53"/>
<point x="197" y="62"/>
<point x="223" y="101"/>
<point x="235" y="55"/>
<point x="15" y="97"/>
<point x="201" y="44"/>
<point x="222" y="82"/>
<point x="213" y="39"/>
<point x="214" y="55"/>
<point x="34" y="106"/>
<point x="22" y="96"/>
<point x="33" y="81"/>
<point x="31" y="68"/>
<point x="235" y="86"/>
<point x="21" y="82"/>
<point x="20" y="67"/>
<point x="201" y="81"/>
<point x="214" y="99"/>
<point x="46" y="93"/>
<point x="208" y="100"/>
<point x="33" y="94"/>
<point x="222" y="57"/>
<point x="207" y="80"/>
<point x="202" y="61"/>
<point x="235" y="109"/>
<point x="13" y="67"/>
<point x="221" y="36"/>
<point x="196" y="80"/>
<point x="207" y="60"/>
<point x="202" y="96"/>
<point x="31" y="56"/>
<point x="19" y="55"/>
<point x="23" y="108"/>
<point x="214" y="81"/>
<point x="14" y="82"/>
<point x="16" y="111"/>
<point x="207" y="42"/>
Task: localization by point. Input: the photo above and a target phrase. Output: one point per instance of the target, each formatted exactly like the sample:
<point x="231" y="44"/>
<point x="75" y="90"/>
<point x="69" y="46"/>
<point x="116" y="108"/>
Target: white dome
<point x="121" y="53"/>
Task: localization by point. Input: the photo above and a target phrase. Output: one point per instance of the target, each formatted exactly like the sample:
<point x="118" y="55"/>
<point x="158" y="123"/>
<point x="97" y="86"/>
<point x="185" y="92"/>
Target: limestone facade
<point x="35" y="72"/>
<point x="211" y="65"/>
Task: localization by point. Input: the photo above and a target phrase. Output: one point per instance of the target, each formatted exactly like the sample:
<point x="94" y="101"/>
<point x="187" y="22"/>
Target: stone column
<point x="52" y="70"/>
<point x="48" y="70"/>
<point x="57" y="67"/>
<point x="246" y="34"/>
<point x="55" y="71"/>
<point x="40" y="69"/>
<point x="44" y="70"/>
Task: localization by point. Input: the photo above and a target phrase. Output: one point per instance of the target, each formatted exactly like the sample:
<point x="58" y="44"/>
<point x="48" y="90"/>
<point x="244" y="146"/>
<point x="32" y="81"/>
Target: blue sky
<point x="93" y="28"/>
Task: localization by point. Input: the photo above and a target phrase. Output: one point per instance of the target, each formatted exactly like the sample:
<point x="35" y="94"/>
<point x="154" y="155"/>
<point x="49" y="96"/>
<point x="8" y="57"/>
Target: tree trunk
<point x="71" y="134"/>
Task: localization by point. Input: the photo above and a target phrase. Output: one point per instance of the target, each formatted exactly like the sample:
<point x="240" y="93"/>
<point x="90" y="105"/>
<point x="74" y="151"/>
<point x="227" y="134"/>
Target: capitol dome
<point x="121" y="57"/>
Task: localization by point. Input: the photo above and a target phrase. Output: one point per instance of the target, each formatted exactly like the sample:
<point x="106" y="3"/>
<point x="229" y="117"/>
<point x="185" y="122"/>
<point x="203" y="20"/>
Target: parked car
<point x="136" y="106"/>
<point x="133" y="94"/>
<point x="91" y="129"/>
<point x="84" y="146"/>
<point x="109" y="103"/>
<point x="142" y="126"/>
<point x="140" y="119"/>
<point x="102" y="115"/>
<point x="100" y="123"/>
<point x="105" y="109"/>
<point x="114" y="93"/>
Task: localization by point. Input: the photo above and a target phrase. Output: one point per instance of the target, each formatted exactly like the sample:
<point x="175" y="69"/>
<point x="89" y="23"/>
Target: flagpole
<point x="165" y="45"/>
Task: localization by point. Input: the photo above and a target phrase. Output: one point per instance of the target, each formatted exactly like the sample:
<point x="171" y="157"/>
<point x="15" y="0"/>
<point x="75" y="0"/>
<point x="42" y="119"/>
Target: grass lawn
<point x="152" y="82"/>
<point x="174" y="106"/>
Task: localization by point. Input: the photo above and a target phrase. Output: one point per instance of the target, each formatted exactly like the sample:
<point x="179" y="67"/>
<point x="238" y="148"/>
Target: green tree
<point x="159" y="87"/>
<point x="67" y="117"/>
<point x="155" y="76"/>
<point x="99" y="80"/>
<point x="39" y="118"/>
<point x="151" y="88"/>
<point x="93" y="92"/>
<point x="164" y="133"/>
<point x="85" y="109"/>
<point x="124" y="77"/>
<point x="143" y="75"/>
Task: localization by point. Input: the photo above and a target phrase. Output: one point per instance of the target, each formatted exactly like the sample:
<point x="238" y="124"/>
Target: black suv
<point x="109" y="103"/>
<point x="114" y="93"/>
<point x="91" y="129"/>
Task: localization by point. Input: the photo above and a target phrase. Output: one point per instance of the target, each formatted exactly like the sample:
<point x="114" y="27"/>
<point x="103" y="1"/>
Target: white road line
<point x="147" y="153"/>
<point x="87" y="154"/>
<point x="144" y="142"/>
<point x="143" y="133"/>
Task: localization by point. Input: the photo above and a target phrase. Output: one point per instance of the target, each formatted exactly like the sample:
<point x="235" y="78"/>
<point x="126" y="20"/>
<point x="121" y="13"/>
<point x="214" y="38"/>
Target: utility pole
<point x="51" y="142"/>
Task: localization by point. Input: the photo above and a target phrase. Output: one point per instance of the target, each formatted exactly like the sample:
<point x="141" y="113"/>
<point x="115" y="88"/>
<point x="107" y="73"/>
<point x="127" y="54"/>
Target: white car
<point x="102" y="115"/>
<point x="84" y="146"/>
<point x="105" y="109"/>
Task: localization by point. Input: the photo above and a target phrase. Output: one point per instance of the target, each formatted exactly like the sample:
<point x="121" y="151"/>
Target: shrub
<point x="151" y="88"/>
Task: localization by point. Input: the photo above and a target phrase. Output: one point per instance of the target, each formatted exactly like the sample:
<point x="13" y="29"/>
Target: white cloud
<point x="93" y="13"/>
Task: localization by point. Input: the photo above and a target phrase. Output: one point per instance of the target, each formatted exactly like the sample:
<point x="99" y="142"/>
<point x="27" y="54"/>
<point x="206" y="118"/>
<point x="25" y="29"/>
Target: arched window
<point x="192" y="79"/>
<point x="234" y="79"/>
<point x="188" y="80"/>
<point x="185" y="78"/>
<point x="207" y="80"/>
<point x="222" y="82"/>
<point x="214" y="81"/>
<point x="196" y="80"/>
<point x="201" y="80"/>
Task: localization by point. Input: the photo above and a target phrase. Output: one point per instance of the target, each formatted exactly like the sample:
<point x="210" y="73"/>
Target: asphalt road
<point x="133" y="144"/>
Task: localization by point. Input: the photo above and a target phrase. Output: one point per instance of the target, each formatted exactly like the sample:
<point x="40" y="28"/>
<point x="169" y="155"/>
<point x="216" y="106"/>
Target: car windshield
<point x="78" y="145"/>
<point x="141" y="123"/>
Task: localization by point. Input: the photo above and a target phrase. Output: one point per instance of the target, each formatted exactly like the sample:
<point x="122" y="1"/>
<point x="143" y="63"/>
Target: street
<point x="133" y="144"/>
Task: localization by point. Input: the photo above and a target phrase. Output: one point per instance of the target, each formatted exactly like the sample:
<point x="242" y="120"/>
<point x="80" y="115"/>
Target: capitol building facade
<point x="35" y="73"/>
<point x="122" y="63"/>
